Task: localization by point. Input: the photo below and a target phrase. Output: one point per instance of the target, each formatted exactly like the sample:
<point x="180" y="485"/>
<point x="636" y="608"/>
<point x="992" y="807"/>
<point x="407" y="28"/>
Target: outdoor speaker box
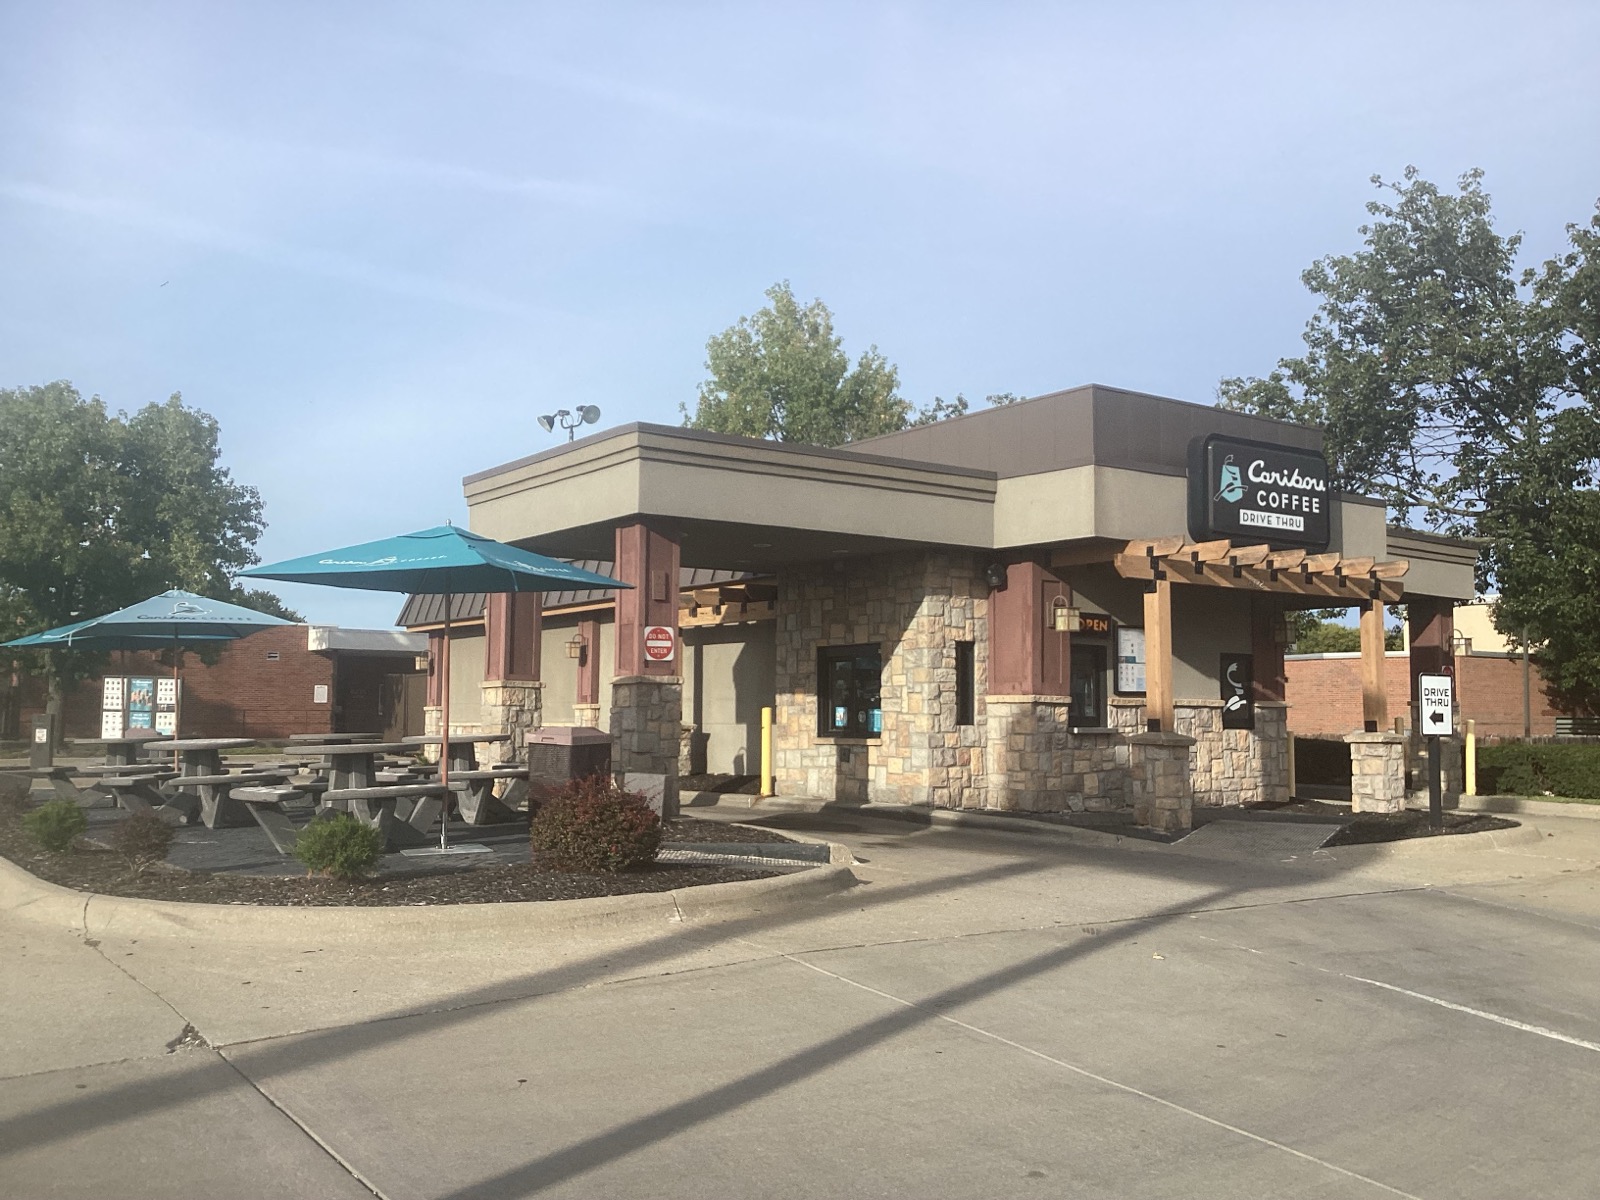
<point x="557" y="753"/>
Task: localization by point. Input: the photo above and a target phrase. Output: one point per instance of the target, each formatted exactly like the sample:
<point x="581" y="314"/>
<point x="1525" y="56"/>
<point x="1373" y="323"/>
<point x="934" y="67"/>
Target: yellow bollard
<point x="1291" y="766"/>
<point x="1471" y="781"/>
<point x="767" y="788"/>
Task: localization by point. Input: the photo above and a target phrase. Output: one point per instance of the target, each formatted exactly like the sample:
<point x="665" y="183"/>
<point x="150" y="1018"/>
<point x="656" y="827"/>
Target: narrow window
<point x="966" y="684"/>
<point x="849" y="691"/>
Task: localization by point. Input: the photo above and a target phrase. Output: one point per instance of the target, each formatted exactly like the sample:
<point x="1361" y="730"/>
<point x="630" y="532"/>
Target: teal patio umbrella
<point x="444" y="560"/>
<point x="173" y="618"/>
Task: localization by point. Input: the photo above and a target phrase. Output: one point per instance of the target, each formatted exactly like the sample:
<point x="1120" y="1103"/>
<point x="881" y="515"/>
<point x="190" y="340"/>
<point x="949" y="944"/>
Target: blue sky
<point x="376" y="241"/>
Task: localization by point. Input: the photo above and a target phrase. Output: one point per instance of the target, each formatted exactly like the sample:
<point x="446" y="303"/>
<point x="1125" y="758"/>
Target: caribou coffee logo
<point x="1230" y="487"/>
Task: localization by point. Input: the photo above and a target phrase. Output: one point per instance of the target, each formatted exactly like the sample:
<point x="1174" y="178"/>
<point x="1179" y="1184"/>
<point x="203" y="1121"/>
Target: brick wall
<point x="242" y="694"/>
<point x="1324" y="694"/>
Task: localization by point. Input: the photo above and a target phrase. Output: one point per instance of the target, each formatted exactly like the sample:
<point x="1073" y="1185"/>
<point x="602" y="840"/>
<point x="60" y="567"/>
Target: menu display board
<point x="1130" y="661"/>
<point x="114" y="693"/>
<point x="141" y="704"/>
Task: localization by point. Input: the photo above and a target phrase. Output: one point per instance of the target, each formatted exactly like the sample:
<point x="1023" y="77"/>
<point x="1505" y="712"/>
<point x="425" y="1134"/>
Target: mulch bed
<point x="93" y="870"/>
<point x="1368" y="828"/>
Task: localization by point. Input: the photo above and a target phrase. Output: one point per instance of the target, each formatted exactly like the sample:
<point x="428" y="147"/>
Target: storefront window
<point x="966" y="683"/>
<point x="849" y="691"/>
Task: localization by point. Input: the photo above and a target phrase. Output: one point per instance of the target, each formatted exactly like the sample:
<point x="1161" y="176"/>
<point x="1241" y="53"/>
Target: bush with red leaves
<point x="593" y="825"/>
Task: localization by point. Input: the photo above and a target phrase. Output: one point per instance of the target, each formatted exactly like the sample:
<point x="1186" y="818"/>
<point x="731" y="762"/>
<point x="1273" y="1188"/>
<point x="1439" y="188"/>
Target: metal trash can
<point x="558" y="753"/>
<point x="42" y="750"/>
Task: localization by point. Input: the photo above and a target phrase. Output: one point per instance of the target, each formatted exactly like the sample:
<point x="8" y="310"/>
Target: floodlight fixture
<point x="587" y="414"/>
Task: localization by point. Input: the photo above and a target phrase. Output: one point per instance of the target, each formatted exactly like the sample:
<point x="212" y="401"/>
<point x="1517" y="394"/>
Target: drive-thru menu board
<point x="1130" y="661"/>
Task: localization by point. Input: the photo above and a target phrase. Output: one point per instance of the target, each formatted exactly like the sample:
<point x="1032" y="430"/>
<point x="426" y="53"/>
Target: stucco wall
<point x="729" y="675"/>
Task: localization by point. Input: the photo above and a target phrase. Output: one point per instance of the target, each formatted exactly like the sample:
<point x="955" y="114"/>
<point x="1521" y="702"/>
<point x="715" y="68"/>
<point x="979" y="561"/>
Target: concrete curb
<point x="1427" y="847"/>
<point x="88" y="914"/>
<point x="1528" y="806"/>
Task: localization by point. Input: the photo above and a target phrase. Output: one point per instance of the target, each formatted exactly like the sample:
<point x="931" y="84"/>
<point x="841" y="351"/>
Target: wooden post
<point x="1374" y="696"/>
<point x="1158" y="654"/>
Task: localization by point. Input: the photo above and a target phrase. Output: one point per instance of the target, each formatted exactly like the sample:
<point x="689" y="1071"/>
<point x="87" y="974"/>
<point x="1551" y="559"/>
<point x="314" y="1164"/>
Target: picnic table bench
<point x="376" y="806"/>
<point x="212" y="795"/>
<point x="268" y="804"/>
<point x="140" y="793"/>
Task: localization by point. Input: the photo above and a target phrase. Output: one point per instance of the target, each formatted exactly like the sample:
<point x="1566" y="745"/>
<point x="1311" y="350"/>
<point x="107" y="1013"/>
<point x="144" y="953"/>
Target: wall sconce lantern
<point x="1064" y="618"/>
<point x="422" y="662"/>
<point x="575" y="646"/>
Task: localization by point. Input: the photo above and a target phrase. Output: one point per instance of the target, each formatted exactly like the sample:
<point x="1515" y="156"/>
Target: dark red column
<point x="435" y="674"/>
<point x="512" y="624"/>
<point x="647" y="559"/>
<point x="588" y="663"/>
<point x="1027" y="656"/>
<point x="1432" y="626"/>
<point x="1266" y="649"/>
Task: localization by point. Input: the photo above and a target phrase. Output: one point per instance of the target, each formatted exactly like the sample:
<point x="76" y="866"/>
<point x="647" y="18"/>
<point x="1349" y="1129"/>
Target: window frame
<point x="868" y="704"/>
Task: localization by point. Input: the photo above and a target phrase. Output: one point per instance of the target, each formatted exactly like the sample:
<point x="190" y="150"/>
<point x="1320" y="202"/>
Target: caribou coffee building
<point x="1071" y="603"/>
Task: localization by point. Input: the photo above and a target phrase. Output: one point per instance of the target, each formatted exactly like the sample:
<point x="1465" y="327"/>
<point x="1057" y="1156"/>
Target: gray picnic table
<point x="473" y="786"/>
<point x="124" y="751"/>
<point x="330" y="739"/>
<point x="203" y="786"/>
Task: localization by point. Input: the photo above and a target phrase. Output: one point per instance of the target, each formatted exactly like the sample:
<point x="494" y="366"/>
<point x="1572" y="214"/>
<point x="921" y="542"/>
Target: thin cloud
<point x="325" y="264"/>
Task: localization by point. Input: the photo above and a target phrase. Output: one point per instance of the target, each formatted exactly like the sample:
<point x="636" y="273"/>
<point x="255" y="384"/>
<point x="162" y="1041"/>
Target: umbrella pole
<point x="177" y="712"/>
<point x="444" y="727"/>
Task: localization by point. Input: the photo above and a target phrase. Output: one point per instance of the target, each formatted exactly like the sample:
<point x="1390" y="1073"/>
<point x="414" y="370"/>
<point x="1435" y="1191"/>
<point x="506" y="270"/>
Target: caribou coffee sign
<point x="1258" y="492"/>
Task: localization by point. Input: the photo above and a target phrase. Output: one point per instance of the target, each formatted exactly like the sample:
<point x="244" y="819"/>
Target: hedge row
<point x="1520" y="769"/>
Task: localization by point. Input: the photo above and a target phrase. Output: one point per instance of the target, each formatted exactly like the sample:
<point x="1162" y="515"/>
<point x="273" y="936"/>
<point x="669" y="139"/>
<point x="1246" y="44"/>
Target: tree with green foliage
<point x="100" y="510"/>
<point x="1465" y="396"/>
<point x="783" y="374"/>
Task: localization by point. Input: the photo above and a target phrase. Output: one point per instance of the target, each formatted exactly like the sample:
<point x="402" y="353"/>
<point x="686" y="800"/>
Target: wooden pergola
<point x="1330" y="580"/>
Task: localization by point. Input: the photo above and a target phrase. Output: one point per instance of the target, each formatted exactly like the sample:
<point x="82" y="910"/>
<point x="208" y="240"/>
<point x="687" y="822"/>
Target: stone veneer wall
<point x="1228" y="766"/>
<point x="1236" y="766"/>
<point x="914" y="607"/>
<point x="1038" y="764"/>
<point x="515" y="707"/>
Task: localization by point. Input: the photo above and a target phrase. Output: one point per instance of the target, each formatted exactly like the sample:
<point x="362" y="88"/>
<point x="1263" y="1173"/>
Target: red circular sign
<point x="659" y="643"/>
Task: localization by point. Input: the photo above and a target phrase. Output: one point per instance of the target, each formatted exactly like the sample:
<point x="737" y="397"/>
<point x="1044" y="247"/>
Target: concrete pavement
<point x="987" y="1014"/>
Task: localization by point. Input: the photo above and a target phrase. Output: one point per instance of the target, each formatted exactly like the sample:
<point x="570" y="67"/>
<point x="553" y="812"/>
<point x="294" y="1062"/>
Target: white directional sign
<point x="1436" y="705"/>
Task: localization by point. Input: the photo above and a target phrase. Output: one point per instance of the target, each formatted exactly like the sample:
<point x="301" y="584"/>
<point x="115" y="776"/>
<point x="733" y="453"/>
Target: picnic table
<point x="462" y="753"/>
<point x="351" y="764"/>
<point x="329" y="739"/>
<point x="203" y="787"/>
<point x="124" y="751"/>
<point x="474" y="787"/>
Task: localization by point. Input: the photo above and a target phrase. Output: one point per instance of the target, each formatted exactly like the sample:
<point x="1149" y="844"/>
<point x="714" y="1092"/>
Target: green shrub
<point x="142" y="839"/>
<point x="56" y="825"/>
<point x="340" y="846"/>
<point x="1538" y="769"/>
<point x="593" y="825"/>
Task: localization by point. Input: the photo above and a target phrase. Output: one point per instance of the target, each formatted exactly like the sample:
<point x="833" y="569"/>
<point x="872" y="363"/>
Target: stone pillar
<point x="647" y="694"/>
<point x="1158" y="777"/>
<point x="1377" y="771"/>
<point x="1027" y="740"/>
<point x="646" y="728"/>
